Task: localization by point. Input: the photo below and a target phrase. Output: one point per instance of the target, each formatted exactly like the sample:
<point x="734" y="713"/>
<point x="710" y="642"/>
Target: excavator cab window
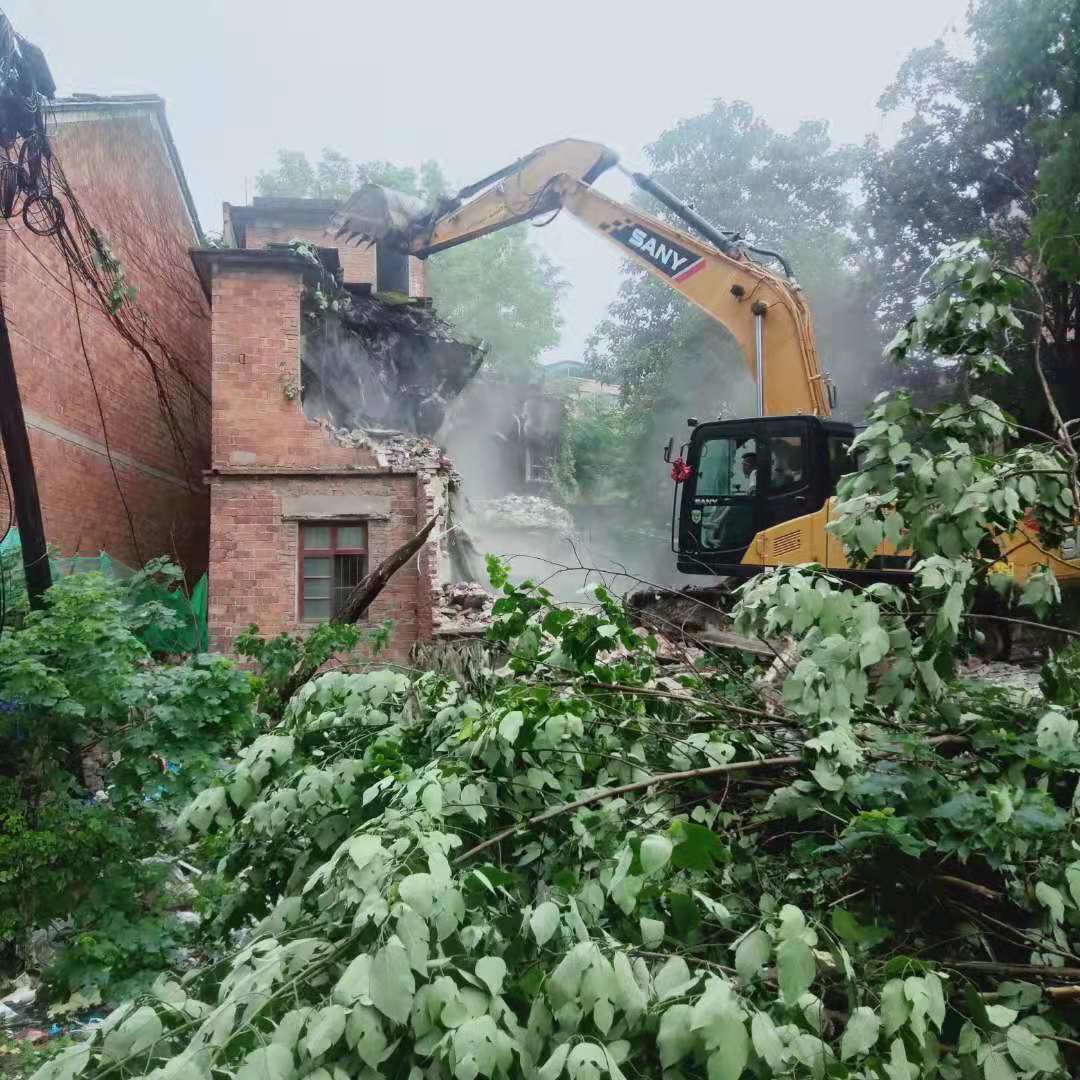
<point x="840" y="459"/>
<point x="750" y="475"/>
<point x="721" y="496"/>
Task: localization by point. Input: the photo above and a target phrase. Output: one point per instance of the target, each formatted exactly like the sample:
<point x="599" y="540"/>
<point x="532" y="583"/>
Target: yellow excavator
<point x="751" y="493"/>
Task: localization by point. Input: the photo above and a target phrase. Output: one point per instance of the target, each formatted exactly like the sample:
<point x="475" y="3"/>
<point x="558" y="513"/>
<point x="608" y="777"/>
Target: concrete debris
<point x="522" y="512"/>
<point x="383" y="363"/>
<point x="1019" y="677"/>
<point x="20" y="998"/>
<point x="668" y="650"/>
<point x="462" y="607"/>
<point x="397" y="450"/>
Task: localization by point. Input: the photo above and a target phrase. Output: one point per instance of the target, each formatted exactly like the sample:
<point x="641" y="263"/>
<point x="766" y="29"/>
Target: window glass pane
<point x="727" y="466"/>
<point x="351" y="536"/>
<point x="316" y="536"/>
<point x="316" y="609"/>
<point x="317" y="568"/>
<point x="316" y="588"/>
<point x="787" y="464"/>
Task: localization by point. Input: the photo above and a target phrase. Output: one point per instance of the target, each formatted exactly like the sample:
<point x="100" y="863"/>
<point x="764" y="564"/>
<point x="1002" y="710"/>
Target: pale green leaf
<point x="586" y="1061"/>
<point x="655" y="852"/>
<point x="491" y="971"/>
<point x="66" y="1065"/>
<point x="673" y="978"/>
<point x="898" y="1067"/>
<point x="355" y="982"/>
<point x="861" y="1033"/>
<point x="767" y="1042"/>
<point x="895" y="1009"/>
<point x="1030" y="1052"/>
<point x="418" y="891"/>
<point x="510" y="726"/>
<point x="1052" y="900"/>
<point x="364" y="1033"/>
<point x="138" y="1032"/>
<point x="554" y="1064"/>
<point x="1072" y="878"/>
<point x="752" y="954"/>
<point x="431" y="797"/>
<point x="271" y="1062"/>
<point x="795" y="967"/>
<point x="544" y="921"/>
<point x="732" y="1051"/>
<point x="324" y="1029"/>
<point x="675" y="1038"/>
<point x="392" y="983"/>
<point x="364" y="848"/>
<point x="1000" y="1016"/>
<point x="652" y="933"/>
<point x="996" y="1067"/>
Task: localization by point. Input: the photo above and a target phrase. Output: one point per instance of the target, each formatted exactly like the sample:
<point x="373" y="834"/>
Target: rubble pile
<point x="522" y="512"/>
<point x="462" y="607"/>
<point x="396" y="449"/>
<point x="373" y="361"/>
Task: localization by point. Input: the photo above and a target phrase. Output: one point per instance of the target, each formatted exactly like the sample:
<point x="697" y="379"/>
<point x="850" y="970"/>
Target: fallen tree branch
<point x="992" y="967"/>
<point x="982" y="891"/>
<point x="668" y="778"/>
<point x="626" y="789"/>
<point x="360" y="599"/>
<point x="665" y="695"/>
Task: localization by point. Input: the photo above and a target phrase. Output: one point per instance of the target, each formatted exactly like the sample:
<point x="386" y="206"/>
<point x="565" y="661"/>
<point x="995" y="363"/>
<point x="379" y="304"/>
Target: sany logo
<point x="673" y="259"/>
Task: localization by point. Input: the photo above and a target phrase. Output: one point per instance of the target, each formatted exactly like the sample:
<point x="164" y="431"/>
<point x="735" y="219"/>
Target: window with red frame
<point x="333" y="560"/>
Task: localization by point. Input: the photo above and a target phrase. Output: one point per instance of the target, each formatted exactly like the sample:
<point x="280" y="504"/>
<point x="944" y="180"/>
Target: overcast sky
<point x="475" y="84"/>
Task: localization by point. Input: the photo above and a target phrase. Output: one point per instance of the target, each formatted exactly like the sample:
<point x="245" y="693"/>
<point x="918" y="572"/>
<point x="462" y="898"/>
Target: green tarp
<point x="189" y="636"/>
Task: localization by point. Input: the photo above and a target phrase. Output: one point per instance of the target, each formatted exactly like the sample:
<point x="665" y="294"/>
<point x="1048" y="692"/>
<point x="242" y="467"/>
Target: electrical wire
<point x="101" y="415"/>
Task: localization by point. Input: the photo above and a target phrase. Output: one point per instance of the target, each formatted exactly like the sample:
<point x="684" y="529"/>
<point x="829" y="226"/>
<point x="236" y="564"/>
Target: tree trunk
<point x="364" y="593"/>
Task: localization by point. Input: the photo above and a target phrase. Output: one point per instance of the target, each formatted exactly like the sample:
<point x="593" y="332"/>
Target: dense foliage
<point x="80" y="695"/>
<point x="592" y="869"/>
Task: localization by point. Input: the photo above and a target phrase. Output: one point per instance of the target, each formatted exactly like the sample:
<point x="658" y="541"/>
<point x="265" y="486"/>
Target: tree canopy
<point x="990" y="150"/>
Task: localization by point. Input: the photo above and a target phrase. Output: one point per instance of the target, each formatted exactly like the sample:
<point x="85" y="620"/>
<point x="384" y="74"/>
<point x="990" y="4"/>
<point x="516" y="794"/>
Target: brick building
<point x="120" y="159"/>
<point x="297" y="517"/>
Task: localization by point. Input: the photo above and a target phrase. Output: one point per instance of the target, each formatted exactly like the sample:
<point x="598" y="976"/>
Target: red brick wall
<point x="357" y="263"/>
<point x="121" y="174"/>
<point x="253" y="554"/>
<point x="264" y="449"/>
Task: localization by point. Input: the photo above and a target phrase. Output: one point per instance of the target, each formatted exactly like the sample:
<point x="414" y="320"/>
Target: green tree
<point x="784" y="192"/>
<point x="498" y="288"/>
<point x="501" y="289"/>
<point x="990" y="150"/>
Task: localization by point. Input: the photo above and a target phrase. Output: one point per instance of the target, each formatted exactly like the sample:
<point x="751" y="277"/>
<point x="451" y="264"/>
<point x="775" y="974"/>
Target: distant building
<point x="120" y="159"/>
<point x="581" y="380"/>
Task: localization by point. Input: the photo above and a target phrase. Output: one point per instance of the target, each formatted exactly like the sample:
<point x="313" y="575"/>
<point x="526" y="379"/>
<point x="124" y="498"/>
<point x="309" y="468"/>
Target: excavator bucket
<point x="374" y="214"/>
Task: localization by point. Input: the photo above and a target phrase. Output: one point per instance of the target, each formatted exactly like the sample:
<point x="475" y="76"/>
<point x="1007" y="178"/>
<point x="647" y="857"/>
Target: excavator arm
<point x="766" y="314"/>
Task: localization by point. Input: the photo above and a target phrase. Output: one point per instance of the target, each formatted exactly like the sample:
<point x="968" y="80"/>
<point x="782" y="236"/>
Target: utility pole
<point x="26" y="84"/>
<point x="24" y="490"/>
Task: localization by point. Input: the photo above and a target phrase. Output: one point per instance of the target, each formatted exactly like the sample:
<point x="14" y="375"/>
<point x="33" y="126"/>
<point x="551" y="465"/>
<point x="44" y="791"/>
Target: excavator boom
<point x="764" y="313"/>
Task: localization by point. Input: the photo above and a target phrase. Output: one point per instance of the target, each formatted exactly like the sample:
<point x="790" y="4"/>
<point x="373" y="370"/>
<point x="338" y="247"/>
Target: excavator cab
<point x="747" y="476"/>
